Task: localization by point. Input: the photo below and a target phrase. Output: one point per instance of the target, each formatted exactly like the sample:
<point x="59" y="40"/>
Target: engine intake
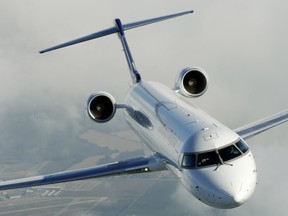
<point x="101" y="107"/>
<point x="192" y="82"/>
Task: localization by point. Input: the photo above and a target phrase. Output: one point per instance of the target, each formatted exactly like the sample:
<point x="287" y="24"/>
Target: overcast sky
<point x="241" y="44"/>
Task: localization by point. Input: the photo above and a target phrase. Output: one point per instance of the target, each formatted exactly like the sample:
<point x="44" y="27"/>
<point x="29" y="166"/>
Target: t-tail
<point x="120" y="29"/>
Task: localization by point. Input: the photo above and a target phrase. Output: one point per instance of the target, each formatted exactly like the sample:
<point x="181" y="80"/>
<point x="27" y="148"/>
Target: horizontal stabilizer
<point x="113" y="30"/>
<point x="82" y="39"/>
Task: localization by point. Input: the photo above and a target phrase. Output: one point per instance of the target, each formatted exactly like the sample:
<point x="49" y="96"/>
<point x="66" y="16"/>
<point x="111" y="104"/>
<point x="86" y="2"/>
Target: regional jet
<point x="214" y="163"/>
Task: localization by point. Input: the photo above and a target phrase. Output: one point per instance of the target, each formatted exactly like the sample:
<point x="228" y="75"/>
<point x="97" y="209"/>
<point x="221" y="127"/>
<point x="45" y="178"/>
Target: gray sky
<point x="241" y="44"/>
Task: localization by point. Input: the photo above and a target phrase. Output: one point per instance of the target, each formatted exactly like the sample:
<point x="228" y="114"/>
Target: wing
<point x="255" y="128"/>
<point x="131" y="166"/>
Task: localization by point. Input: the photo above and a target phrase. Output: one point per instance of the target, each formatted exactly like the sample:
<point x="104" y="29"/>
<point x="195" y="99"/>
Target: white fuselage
<point x="172" y="128"/>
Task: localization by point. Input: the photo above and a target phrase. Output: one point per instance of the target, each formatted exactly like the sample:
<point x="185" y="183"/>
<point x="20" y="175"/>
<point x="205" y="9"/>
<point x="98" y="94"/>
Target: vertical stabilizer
<point x="136" y="77"/>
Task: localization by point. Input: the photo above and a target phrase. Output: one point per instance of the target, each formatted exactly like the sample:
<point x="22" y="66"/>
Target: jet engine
<point x="101" y="107"/>
<point x="192" y="82"/>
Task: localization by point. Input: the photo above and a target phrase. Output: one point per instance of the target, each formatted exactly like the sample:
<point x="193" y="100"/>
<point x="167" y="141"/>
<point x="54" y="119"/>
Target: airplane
<point x="213" y="162"/>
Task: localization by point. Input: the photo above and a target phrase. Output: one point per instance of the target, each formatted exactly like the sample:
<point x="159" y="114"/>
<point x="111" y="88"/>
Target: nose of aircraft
<point x="233" y="199"/>
<point x="225" y="199"/>
<point x="227" y="187"/>
<point x="240" y="183"/>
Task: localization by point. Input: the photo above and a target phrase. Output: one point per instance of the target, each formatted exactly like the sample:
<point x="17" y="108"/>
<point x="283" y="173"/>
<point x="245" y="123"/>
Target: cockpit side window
<point x="189" y="161"/>
<point x="207" y="159"/>
<point x="242" y="146"/>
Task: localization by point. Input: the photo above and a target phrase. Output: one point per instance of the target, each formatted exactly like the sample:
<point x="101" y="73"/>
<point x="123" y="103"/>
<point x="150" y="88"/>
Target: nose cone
<point x="234" y="199"/>
<point x="240" y="198"/>
<point x="228" y="186"/>
<point x="226" y="200"/>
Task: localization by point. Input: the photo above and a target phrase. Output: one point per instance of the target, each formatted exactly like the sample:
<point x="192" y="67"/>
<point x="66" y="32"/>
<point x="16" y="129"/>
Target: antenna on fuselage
<point x="119" y="28"/>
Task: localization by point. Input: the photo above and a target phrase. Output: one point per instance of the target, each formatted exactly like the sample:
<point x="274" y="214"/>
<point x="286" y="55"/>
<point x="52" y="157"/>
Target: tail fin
<point x="113" y="30"/>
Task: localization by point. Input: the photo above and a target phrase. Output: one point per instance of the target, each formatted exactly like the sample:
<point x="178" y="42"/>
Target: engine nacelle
<point x="101" y="107"/>
<point x="192" y="82"/>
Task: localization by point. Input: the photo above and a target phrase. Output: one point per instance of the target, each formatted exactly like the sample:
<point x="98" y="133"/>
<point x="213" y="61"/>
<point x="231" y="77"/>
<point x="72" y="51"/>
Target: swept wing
<point x="260" y="126"/>
<point x="131" y="166"/>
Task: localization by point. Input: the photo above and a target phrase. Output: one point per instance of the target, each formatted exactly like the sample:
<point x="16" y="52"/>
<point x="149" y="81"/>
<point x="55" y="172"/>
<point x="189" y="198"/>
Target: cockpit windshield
<point x="229" y="153"/>
<point x="207" y="159"/>
<point x="214" y="157"/>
